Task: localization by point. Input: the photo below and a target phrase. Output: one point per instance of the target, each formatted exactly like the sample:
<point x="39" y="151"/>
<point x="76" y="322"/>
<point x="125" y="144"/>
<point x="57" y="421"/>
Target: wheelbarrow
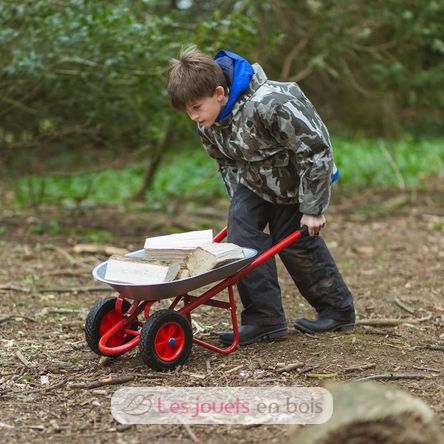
<point x="165" y="338"/>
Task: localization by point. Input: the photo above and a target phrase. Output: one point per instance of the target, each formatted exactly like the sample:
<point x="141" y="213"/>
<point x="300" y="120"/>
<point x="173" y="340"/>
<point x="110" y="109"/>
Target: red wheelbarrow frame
<point x="192" y="302"/>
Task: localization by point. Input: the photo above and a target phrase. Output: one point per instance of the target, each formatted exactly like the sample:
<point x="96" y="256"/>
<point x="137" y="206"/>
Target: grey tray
<point x="172" y="289"/>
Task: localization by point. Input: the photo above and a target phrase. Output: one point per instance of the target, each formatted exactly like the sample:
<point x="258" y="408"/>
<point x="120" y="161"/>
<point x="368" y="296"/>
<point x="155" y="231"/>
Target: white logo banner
<point x="222" y="405"/>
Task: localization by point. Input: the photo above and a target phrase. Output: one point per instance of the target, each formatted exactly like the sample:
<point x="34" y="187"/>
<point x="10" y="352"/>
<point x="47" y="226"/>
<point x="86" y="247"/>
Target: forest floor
<point x="389" y="247"/>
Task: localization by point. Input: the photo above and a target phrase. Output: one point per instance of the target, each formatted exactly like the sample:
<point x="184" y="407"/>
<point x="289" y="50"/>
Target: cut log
<point x="365" y="412"/>
<point x="212" y="255"/>
<point x="136" y="270"/>
<point x="175" y="247"/>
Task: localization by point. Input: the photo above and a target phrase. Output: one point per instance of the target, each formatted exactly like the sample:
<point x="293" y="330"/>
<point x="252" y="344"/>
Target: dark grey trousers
<point x="308" y="261"/>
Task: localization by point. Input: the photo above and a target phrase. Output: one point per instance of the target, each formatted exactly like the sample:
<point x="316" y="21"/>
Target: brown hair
<point x="192" y="76"/>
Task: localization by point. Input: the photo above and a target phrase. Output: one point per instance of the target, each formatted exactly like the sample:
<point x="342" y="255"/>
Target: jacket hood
<point x="238" y="72"/>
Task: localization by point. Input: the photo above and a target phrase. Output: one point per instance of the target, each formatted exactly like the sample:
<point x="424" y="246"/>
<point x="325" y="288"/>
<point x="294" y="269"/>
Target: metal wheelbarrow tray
<point x="165" y="338"/>
<point x="175" y="288"/>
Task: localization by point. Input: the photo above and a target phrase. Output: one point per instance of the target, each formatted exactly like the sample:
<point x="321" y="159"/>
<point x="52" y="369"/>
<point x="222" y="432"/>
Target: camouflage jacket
<point x="274" y="143"/>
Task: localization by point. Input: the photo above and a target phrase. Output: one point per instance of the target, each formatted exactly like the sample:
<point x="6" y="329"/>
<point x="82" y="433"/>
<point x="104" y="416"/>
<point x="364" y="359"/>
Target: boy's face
<point x="206" y="109"/>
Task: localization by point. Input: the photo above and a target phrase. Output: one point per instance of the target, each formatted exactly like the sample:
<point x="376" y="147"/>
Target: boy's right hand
<point x="314" y="223"/>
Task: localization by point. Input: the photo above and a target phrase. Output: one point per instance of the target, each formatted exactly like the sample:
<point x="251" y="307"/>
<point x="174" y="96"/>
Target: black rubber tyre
<point x="94" y="321"/>
<point x="166" y="339"/>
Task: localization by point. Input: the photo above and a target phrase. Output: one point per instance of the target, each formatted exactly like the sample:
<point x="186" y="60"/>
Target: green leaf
<point x="26" y="378"/>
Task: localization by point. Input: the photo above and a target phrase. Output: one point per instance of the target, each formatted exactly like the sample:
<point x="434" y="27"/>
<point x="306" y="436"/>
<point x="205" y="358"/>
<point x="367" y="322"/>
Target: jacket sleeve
<point x="297" y="127"/>
<point x="227" y="167"/>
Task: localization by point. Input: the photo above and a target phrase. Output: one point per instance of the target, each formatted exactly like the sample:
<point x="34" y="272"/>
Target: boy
<point x="275" y="156"/>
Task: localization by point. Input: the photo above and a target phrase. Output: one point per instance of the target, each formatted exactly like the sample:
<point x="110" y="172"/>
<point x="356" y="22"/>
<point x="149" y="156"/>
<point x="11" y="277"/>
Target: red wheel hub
<point x="109" y="321"/>
<point x="169" y="341"/>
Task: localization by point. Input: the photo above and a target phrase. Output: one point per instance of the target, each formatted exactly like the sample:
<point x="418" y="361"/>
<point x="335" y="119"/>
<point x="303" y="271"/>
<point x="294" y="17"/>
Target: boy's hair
<point x="192" y="76"/>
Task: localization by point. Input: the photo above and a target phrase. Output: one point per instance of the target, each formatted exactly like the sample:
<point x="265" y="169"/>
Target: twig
<point x="79" y="60"/>
<point x="378" y="331"/>
<point x="72" y="260"/>
<point x="64" y="253"/>
<point x="15" y="288"/>
<point x="307" y="370"/>
<point x="404" y="306"/>
<point x="291" y="56"/>
<point x="434" y="347"/>
<point x="70" y="290"/>
<point x="23" y="360"/>
<point x="63" y="310"/>
<point x="392" y="322"/>
<point x="156" y="375"/>
<point x="399" y="347"/>
<point x="233" y="369"/>
<point x="290" y="367"/>
<point x="51" y="387"/>
<point x="52" y="290"/>
<point x="101" y="382"/>
<point x="358" y="367"/>
<point x="194" y="375"/>
<point x="190" y="432"/>
<point x="434" y="370"/>
<point x="393" y="377"/>
<point x="15" y="318"/>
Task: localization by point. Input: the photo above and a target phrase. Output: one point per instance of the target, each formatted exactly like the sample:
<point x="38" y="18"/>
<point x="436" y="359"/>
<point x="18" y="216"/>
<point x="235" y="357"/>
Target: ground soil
<point x="389" y="247"/>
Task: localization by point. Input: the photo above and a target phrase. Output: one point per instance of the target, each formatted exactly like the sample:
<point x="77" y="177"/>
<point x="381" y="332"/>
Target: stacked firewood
<point x="173" y="256"/>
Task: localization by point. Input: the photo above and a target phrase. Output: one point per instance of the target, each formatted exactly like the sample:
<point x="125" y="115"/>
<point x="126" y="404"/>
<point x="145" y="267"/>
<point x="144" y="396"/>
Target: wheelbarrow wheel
<point x="100" y="319"/>
<point x="165" y="340"/>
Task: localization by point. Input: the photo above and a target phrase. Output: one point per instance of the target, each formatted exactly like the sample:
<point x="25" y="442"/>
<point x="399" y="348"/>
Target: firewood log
<point x="212" y="255"/>
<point x="136" y="270"/>
<point x="175" y="247"/>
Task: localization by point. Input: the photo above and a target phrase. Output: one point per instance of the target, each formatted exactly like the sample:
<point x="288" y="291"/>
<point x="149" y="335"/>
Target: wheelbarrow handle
<point x="304" y="231"/>
<point x="223" y="233"/>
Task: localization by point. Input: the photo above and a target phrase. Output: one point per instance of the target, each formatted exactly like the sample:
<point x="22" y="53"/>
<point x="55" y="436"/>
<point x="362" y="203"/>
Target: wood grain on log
<point x="212" y="255"/>
<point x="135" y="270"/>
<point x="176" y="247"/>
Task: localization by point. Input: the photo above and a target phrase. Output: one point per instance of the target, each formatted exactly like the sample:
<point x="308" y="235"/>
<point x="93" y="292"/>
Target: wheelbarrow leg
<point x="235" y="343"/>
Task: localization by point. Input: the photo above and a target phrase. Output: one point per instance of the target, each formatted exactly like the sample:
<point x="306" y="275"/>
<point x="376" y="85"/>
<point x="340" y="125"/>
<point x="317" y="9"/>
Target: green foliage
<point x="184" y="174"/>
<point x="94" y="72"/>
<point x="439" y="224"/>
<point x="369" y="163"/>
<point x="376" y="65"/>
<point x="51" y="227"/>
<point x="90" y="76"/>
<point x="192" y="174"/>
<point x="97" y="235"/>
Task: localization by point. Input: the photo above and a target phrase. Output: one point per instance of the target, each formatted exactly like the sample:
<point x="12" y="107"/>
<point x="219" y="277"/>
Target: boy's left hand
<point x="314" y="223"/>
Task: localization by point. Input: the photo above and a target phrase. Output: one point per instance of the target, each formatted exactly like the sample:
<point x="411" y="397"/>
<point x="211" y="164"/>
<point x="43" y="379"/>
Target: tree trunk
<point x="156" y="157"/>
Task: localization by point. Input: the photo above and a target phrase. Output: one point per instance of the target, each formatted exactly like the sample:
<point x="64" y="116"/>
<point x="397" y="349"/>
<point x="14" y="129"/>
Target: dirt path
<point x="390" y="250"/>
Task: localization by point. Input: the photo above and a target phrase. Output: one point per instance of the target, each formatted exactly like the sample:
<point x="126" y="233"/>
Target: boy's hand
<point x="314" y="223"/>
